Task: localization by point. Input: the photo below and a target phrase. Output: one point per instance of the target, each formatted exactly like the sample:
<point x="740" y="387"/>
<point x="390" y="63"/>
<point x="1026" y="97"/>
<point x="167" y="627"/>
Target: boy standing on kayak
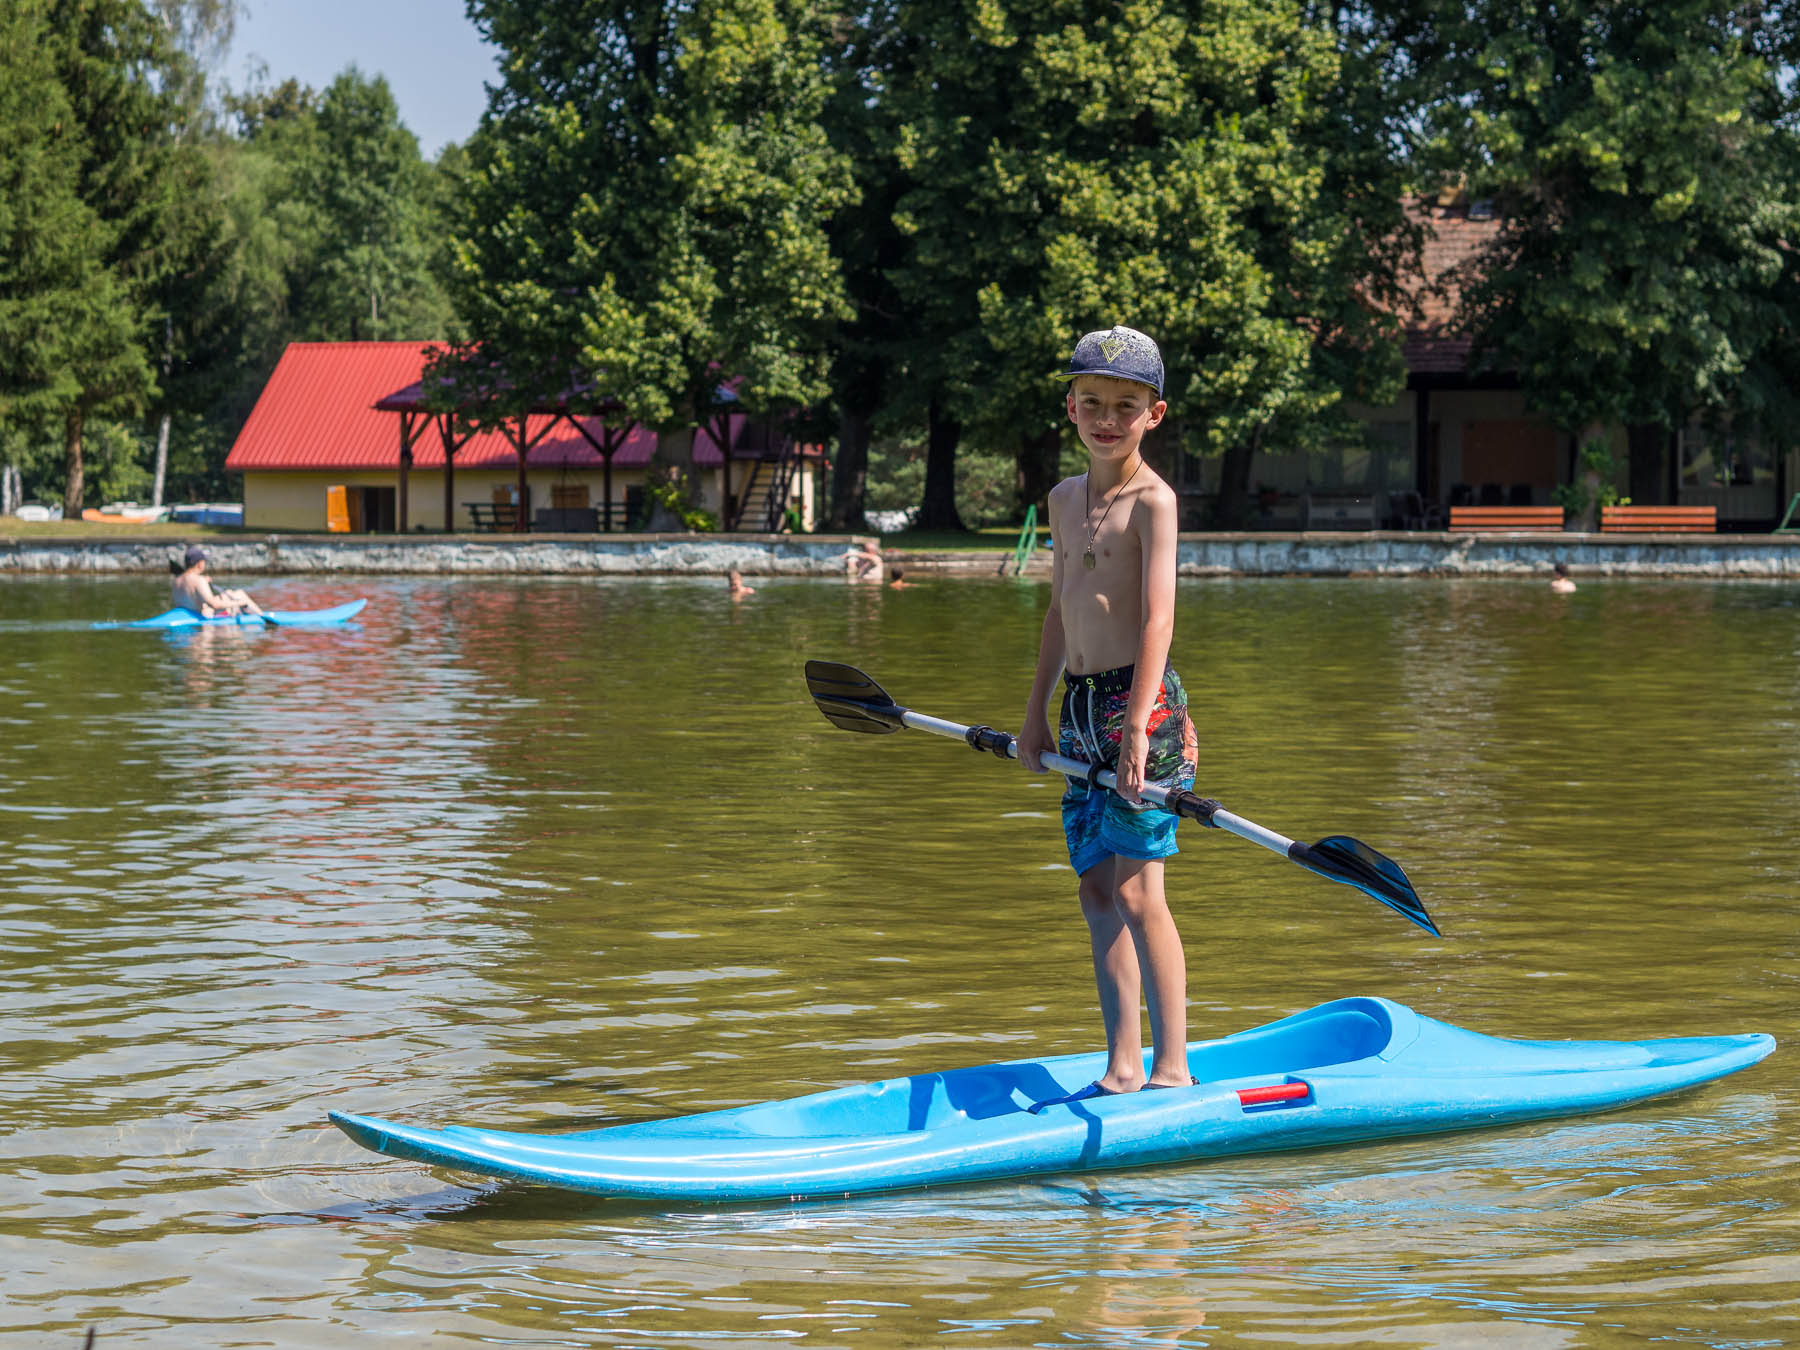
<point x="1106" y="635"/>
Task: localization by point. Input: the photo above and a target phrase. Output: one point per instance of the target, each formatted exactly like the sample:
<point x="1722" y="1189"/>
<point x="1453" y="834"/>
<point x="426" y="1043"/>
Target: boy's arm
<point x="1157" y="539"/>
<point x="1053" y="651"/>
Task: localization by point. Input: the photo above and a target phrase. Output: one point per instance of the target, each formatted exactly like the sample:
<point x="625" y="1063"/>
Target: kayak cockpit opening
<point x="1333" y="1034"/>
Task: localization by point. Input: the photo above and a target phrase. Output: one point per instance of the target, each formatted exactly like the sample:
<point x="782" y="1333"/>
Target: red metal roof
<point x="318" y="412"/>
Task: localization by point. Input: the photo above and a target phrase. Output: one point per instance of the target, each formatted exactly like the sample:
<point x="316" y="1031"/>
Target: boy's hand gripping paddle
<point x="851" y="700"/>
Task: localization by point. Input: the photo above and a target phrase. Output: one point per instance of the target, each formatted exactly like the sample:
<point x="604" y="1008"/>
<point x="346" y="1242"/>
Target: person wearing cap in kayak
<point x="192" y="590"/>
<point x="1105" y="640"/>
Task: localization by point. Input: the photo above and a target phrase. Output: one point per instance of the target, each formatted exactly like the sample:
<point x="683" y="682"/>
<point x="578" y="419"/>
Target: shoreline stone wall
<point x="1329" y="554"/>
<point x="480" y="554"/>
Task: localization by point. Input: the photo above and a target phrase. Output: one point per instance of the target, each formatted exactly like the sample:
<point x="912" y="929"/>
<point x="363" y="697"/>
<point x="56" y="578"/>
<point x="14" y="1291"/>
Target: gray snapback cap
<point x="1123" y="353"/>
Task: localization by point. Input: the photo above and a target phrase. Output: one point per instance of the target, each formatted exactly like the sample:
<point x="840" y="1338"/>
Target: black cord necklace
<point x="1087" y="497"/>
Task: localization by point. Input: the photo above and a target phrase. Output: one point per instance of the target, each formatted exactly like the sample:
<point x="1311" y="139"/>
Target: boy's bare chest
<point x="1101" y="551"/>
<point x="1103" y="574"/>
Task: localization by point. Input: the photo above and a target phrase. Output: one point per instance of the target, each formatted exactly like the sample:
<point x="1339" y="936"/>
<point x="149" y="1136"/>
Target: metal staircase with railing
<point x="761" y="504"/>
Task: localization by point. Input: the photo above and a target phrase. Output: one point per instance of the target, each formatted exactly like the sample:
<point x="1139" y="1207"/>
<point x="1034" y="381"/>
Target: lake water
<point x="553" y="854"/>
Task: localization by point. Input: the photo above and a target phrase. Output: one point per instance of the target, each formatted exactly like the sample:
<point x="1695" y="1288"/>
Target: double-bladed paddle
<point x="851" y="700"/>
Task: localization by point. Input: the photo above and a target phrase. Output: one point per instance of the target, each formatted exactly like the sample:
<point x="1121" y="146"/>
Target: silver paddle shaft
<point x="1225" y="820"/>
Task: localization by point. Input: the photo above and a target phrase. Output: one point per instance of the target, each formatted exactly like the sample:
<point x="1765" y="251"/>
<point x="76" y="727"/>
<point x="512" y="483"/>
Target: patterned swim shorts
<point x="1098" y="822"/>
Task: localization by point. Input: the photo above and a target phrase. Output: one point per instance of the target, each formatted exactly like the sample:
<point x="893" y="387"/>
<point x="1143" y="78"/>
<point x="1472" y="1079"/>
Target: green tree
<point x="1198" y="170"/>
<point x="124" y="81"/>
<point x="295" y="254"/>
<point x="863" y="237"/>
<point x="360" y="173"/>
<point x="56" y="297"/>
<point x="645" y="206"/>
<point x="1637" y="158"/>
<point x="196" y="332"/>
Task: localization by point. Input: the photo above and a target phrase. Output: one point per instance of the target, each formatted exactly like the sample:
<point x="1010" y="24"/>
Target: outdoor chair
<point x="1413" y="512"/>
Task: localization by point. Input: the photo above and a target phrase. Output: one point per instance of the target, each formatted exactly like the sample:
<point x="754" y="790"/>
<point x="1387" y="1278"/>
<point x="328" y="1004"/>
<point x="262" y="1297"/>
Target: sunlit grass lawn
<point x="939" y="541"/>
<point x="907" y="541"/>
<point x="13" y="528"/>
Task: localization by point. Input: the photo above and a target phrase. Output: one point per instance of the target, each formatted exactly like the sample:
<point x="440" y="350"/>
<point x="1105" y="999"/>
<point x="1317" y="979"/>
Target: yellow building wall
<point x="294" y="499"/>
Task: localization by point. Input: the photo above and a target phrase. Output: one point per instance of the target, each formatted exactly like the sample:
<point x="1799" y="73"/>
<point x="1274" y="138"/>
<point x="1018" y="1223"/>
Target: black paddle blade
<point x="1354" y="863"/>
<point x="851" y="700"/>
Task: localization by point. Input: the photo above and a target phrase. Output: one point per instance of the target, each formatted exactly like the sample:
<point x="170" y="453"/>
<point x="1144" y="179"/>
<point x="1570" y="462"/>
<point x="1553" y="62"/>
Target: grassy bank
<point x="948" y="541"/>
<point x="13" y="528"/>
<point x="923" y="541"/>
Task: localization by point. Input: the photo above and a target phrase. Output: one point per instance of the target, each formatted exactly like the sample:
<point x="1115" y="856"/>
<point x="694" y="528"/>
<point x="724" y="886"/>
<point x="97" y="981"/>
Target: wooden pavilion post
<point x="611" y="439"/>
<point x="409" y="426"/>
<point x="522" y="443"/>
<point x="719" y="428"/>
<point x="447" y="434"/>
<point x="521" y="519"/>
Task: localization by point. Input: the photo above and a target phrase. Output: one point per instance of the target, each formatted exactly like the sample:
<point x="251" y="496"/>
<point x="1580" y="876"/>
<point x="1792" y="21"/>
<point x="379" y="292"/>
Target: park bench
<point x="1483" y="519"/>
<point x="491" y="516"/>
<point x="1658" y="520"/>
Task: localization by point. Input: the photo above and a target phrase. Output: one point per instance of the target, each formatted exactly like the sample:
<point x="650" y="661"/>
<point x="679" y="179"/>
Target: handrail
<point x="775" y="502"/>
<point x="1022" y="551"/>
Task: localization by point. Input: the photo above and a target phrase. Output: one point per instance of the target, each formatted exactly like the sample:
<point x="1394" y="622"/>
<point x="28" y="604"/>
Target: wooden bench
<point x="491" y="516"/>
<point x="1481" y="519"/>
<point x="1659" y="520"/>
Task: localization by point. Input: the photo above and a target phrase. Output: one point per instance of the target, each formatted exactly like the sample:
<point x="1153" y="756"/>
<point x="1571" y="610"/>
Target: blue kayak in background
<point x="275" y="618"/>
<point x="1354" y="1069"/>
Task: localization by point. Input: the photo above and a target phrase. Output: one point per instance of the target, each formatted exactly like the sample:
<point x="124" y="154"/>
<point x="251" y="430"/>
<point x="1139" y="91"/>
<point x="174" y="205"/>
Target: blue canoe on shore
<point x="1354" y="1069"/>
<point x="274" y="618"/>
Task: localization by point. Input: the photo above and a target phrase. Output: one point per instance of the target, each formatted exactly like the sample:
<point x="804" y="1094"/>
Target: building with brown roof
<point x="1458" y="436"/>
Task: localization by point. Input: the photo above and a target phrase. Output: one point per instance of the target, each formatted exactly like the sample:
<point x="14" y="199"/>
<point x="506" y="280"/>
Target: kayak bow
<point x="1354" y="1069"/>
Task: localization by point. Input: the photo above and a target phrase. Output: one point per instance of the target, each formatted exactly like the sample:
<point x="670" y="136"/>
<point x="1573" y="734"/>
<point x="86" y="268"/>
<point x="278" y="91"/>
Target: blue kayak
<point x="1357" y="1068"/>
<point x="274" y="618"/>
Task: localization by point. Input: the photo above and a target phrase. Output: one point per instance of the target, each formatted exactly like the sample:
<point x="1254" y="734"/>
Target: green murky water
<point x="546" y="855"/>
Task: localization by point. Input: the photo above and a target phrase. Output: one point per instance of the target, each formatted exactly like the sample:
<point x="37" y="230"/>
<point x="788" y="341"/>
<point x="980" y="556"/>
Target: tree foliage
<point x="359" y="173"/>
<point x="58" y="305"/>
<point x="1637" y="158"/>
<point x="645" y="204"/>
<point x="1211" y="172"/>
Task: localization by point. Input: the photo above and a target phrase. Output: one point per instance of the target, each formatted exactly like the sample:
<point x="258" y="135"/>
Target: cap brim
<point x="1064" y="376"/>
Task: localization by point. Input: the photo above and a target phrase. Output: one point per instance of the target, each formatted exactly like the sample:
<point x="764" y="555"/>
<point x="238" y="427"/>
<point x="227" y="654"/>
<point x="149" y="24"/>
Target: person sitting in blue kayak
<point x="1106" y="635"/>
<point x="193" y="590"/>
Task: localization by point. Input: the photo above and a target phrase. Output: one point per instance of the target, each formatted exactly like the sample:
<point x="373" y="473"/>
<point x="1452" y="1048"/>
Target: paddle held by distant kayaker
<point x="193" y="590"/>
<point x="1106" y="635"/>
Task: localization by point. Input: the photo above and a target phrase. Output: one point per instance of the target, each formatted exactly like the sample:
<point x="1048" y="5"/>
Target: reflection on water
<point x="553" y="855"/>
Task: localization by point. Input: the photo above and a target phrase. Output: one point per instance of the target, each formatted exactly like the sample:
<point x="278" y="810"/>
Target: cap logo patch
<point x="1112" y="345"/>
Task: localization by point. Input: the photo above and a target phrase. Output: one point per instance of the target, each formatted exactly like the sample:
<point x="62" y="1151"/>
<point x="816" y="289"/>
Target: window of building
<point x="1721" y="456"/>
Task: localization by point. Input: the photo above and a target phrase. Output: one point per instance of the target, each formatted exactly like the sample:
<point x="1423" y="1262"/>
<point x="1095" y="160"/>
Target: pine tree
<point x="122" y="79"/>
<point x="56" y="298"/>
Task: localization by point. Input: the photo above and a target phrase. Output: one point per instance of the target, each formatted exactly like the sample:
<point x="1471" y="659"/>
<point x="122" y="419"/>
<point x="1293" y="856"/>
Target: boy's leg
<point x="1115" y="977"/>
<point x="1162" y="964"/>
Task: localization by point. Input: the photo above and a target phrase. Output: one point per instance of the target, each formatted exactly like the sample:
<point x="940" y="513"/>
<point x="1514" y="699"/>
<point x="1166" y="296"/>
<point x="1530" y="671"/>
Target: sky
<point x="432" y="56"/>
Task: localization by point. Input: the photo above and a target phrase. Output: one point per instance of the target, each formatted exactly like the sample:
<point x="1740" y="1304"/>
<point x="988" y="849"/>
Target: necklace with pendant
<point x="1087" y="558"/>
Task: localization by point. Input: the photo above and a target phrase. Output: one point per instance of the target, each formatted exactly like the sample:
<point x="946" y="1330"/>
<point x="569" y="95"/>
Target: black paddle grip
<point x="1193" y="806"/>
<point x="986" y="738"/>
